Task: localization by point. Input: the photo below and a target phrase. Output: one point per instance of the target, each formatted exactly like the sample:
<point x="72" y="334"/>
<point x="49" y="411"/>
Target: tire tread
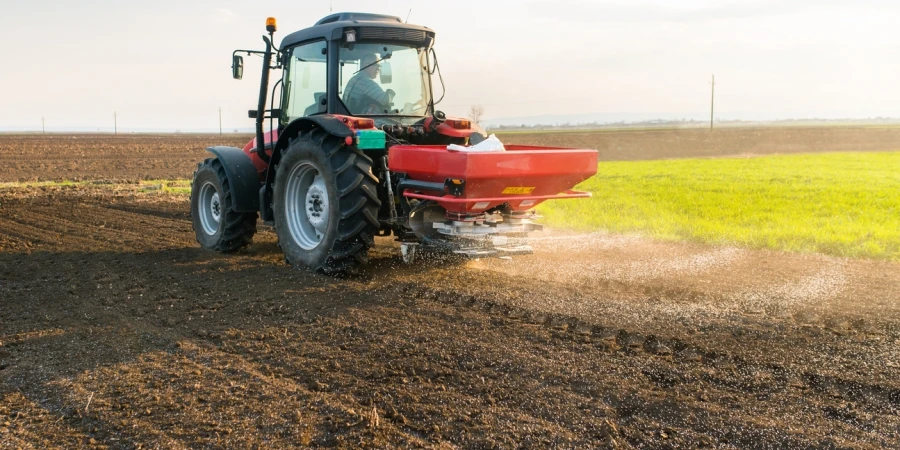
<point x="358" y="203"/>
<point x="238" y="227"/>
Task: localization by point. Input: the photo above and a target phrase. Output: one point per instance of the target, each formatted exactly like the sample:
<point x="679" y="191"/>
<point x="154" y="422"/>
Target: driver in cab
<point x="362" y="94"/>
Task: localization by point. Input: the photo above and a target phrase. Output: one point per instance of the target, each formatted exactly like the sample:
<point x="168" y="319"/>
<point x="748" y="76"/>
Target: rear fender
<point x="242" y="177"/>
<point x="330" y="124"/>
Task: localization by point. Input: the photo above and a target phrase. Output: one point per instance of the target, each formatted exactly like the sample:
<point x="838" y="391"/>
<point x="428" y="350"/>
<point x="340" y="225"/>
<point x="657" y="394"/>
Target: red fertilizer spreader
<point x="481" y="203"/>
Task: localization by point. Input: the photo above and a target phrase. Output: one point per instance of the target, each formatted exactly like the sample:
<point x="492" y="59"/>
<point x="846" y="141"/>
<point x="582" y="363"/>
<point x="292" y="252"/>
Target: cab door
<point x="305" y="81"/>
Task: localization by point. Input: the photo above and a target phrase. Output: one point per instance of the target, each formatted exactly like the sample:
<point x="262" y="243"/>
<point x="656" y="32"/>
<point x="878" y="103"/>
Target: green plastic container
<point x="370" y="139"/>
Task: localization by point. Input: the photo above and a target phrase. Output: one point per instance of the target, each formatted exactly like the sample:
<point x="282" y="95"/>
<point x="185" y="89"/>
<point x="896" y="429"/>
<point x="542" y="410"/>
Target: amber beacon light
<point x="270" y="24"/>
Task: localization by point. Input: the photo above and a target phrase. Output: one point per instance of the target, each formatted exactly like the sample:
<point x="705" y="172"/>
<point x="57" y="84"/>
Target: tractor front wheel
<point x="217" y="226"/>
<point x="325" y="203"/>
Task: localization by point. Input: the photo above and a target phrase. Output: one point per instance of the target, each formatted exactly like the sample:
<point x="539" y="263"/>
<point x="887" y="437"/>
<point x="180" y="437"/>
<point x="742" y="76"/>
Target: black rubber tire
<point x="350" y="184"/>
<point x="236" y="229"/>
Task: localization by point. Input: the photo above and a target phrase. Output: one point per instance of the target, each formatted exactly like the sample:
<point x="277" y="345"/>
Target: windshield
<point x="384" y="79"/>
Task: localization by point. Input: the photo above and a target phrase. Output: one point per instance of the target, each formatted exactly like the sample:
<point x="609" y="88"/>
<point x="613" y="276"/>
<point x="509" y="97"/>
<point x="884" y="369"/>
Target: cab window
<point x="306" y="80"/>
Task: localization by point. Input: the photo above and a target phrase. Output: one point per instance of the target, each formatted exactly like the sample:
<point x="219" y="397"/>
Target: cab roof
<point x="370" y="26"/>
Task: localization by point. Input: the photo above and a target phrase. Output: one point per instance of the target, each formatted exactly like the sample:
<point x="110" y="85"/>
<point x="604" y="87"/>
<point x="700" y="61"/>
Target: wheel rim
<point x="306" y="205"/>
<point x="210" y="208"/>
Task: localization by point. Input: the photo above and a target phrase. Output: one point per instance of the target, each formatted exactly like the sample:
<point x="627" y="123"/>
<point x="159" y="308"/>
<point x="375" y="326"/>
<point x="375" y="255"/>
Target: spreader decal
<point x="518" y="190"/>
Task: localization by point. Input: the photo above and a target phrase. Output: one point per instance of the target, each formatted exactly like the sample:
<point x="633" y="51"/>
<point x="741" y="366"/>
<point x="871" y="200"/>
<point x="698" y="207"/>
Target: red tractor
<point x="356" y="150"/>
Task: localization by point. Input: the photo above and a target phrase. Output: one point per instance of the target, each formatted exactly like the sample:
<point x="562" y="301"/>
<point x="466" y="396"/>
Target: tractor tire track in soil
<point x="130" y="335"/>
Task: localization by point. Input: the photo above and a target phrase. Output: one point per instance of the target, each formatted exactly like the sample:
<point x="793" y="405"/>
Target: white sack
<point x="491" y="144"/>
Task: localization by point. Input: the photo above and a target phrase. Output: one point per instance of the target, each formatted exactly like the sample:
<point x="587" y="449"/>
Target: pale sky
<point x="166" y="64"/>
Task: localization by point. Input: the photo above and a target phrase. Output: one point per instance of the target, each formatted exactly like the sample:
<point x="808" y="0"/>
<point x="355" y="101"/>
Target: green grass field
<point x="845" y="204"/>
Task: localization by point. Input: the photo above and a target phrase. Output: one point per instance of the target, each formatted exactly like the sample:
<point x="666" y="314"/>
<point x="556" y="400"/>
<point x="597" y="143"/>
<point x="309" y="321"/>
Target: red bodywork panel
<point x="269" y="138"/>
<point x="523" y="176"/>
<point x="355" y="123"/>
<point x="447" y="130"/>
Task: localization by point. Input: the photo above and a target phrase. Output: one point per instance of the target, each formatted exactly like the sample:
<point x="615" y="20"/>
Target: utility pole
<point x="115" y="124"/>
<point x="712" y="102"/>
<point x="220" y="121"/>
<point x="43" y="129"/>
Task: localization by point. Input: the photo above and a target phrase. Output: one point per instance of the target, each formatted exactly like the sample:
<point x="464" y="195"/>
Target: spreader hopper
<point x="480" y="203"/>
<point x="470" y="183"/>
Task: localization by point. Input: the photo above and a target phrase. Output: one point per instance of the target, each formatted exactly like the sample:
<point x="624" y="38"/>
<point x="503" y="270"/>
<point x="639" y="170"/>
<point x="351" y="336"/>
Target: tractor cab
<point x="362" y="65"/>
<point x="356" y="65"/>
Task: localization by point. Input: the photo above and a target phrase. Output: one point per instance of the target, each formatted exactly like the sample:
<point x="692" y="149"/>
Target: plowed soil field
<point x="118" y="331"/>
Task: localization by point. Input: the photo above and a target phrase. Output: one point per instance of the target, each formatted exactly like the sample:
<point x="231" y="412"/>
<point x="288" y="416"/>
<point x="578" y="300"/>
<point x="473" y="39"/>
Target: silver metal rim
<point x="210" y="208"/>
<point x="306" y="205"/>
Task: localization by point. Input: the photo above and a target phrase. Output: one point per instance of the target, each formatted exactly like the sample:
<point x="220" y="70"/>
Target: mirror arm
<point x="249" y="52"/>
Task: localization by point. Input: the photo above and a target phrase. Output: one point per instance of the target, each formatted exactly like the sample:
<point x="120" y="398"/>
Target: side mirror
<point x="237" y="67"/>
<point x="386" y="76"/>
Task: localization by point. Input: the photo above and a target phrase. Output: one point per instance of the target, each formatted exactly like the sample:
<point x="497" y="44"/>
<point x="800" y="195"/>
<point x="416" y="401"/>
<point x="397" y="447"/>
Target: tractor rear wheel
<point x="325" y="204"/>
<point x="217" y="225"/>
